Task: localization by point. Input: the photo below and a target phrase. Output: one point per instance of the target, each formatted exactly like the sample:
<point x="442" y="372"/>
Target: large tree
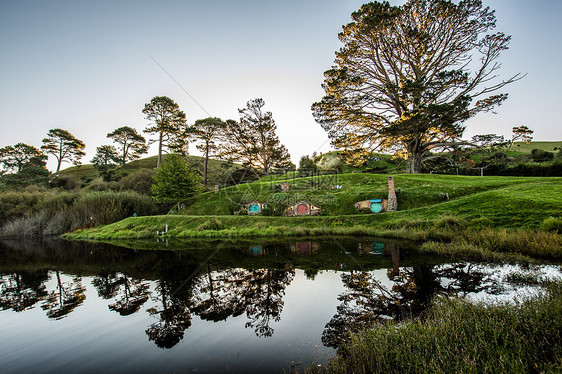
<point x="407" y="77"/>
<point x="168" y="122"/>
<point x="64" y="146"/>
<point x="14" y="158"/>
<point x="253" y="140"/>
<point x="208" y="131"/>
<point x="131" y="144"/>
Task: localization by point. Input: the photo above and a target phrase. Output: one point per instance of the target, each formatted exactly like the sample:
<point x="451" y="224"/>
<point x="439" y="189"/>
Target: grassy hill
<point x="545" y="146"/>
<point x="421" y="192"/>
<point x="87" y="172"/>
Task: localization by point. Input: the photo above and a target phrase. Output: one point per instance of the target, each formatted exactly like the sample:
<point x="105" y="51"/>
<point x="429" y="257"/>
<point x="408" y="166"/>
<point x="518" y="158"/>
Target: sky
<point x="90" y="66"/>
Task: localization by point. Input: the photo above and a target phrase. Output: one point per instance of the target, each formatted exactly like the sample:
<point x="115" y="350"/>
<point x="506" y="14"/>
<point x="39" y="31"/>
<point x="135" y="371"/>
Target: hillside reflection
<point x="382" y="281"/>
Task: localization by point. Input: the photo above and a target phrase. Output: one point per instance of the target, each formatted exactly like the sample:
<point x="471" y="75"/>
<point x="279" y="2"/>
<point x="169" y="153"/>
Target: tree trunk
<point x="205" y="165"/>
<point x="123" y="162"/>
<point x="159" y="161"/>
<point x="414" y="162"/>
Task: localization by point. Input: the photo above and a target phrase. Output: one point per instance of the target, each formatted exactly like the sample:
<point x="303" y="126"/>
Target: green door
<point x="376" y="207"/>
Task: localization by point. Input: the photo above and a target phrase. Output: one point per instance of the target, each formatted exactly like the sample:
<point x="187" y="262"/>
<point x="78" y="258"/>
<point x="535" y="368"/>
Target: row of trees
<point x="252" y="141"/>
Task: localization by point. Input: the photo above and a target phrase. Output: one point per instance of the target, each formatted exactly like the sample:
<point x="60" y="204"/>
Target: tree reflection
<point x="263" y="298"/>
<point x="173" y="313"/>
<point x="22" y="290"/>
<point x="258" y="293"/>
<point x="367" y="301"/>
<point x="131" y="293"/>
<point x="218" y="294"/>
<point x="66" y="297"/>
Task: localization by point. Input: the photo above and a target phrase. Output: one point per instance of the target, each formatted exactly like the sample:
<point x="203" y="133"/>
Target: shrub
<point x="139" y="181"/>
<point x="66" y="182"/>
<point x="449" y="222"/>
<point x="99" y="184"/>
<point x="481" y="223"/>
<point x="553" y="224"/>
<point x="211" y="224"/>
<point x="540" y="155"/>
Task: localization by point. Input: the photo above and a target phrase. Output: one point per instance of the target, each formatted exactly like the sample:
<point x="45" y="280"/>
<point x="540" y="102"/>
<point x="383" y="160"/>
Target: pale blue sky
<point x="86" y="66"/>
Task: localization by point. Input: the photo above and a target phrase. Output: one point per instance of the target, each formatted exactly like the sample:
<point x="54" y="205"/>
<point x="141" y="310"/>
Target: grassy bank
<point x="505" y="216"/>
<point x="460" y="337"/>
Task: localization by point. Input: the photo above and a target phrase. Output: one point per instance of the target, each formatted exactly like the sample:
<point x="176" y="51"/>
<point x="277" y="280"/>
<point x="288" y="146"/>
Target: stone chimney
<point x="392" y="202"/>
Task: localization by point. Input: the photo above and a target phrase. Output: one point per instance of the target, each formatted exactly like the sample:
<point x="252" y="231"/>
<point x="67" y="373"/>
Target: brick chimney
<point x="392" y="202"/>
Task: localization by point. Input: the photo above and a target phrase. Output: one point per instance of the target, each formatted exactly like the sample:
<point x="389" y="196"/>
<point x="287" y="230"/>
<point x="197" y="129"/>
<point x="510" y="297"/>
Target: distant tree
<point x="106" y="157"/>
<point x="175" y="181"/>
<point x="131" y="144"/>
<point x="253" y="140"/>
<point x="208" y="131"/>
<point x="168" y="122"/>
<point x="307" y="166"/>
<point x="489" y="140"/>
<point x="402" y="81"/>
<point x="64" y="146"/>
<point x="14" y="158"/>
<point x="521" y="132"/>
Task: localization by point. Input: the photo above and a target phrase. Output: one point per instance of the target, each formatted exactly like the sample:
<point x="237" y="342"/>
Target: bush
<point x="100" y="184"/>
<point x="66" y="182"/>
<point x="272" y="210"/>
<point x="139" y="181"/>
<point x="553" y="224"/>
<point x="540" y="155"/>
<point x="481" y="223"/>
<point x="449" y="222"/>
<point x="211" y="224"/>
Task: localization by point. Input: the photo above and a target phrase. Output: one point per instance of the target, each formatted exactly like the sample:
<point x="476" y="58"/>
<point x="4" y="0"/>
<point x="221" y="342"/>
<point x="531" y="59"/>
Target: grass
<point x="457" y="336"/>
<point x="528" y="147"/>
<point x="471" y="196"/>
<point x="501" y="217"/>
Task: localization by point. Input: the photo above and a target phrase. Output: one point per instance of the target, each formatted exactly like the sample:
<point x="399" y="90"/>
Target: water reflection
<point x="381" y="281"/>
<point x="22" y="290"/>
<point x="130" y="293"/>
<point x="65" y="297"/>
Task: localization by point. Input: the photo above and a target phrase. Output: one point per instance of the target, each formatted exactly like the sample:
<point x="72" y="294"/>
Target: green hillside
<point x="87" y="172"/>
<point x="545" y="146"/>
<point x="414" y="192"/>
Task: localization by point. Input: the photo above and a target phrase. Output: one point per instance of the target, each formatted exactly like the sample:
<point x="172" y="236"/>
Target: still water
<point x="213" y="306"/>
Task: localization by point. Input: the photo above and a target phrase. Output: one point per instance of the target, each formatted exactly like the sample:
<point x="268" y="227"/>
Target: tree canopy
<point x="407" y="77"/>
<point x="521" y="132"/>
<point x="22" y="164"/>
<point x="64" y="146"/>
<point x="253" y="140"/>
<point x="208" y="131"/>
<point x="169" y="123"/>
<point x="14" y="158"/>
<point x="105" y="158"/>
<point x="131" y="144"/>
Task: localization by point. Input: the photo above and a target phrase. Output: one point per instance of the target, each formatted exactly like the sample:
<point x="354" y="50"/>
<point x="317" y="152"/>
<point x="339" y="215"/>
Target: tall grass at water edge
<point x="457" y="336"/>
<point x="57" y="214"/>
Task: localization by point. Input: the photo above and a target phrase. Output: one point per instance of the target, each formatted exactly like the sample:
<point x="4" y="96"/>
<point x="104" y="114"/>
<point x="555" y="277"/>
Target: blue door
<point x="376" y="207"/>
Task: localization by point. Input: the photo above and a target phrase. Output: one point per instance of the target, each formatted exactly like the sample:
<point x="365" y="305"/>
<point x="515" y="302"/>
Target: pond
<point x="255" y="306"/>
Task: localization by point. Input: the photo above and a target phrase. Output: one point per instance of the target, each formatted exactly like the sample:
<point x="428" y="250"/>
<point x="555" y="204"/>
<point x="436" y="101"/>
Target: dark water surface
<point x="212" y="306"/>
